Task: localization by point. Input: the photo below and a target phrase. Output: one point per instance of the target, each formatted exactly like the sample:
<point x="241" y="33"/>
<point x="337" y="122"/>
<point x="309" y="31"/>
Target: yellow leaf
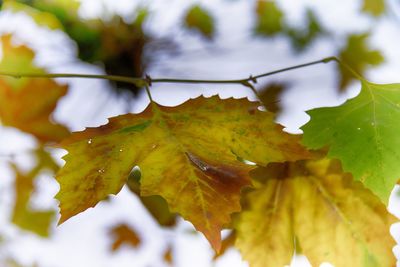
<point x="28" y="103"/>
<point x="187" y="154"/>
<point x="313" y="205"/>
<point x="374" y="7"/>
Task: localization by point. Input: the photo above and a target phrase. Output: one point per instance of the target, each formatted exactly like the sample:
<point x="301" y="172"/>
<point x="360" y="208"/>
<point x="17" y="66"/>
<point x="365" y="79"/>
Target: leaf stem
<point x="148" y="81"/>
<point x="148" y="92"/>
<point x="349" y="69"/>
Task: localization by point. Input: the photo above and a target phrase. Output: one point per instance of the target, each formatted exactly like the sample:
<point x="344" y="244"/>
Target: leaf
<point x="269" y="18"/>
<point x="63" y="9"/>
<point x="41" y="18"/>
<point x="374" y="7"/>
<point x="363" y="134"/>
<point x="156" y="205"/>
<point x="302" y="38"/>
<point x="270" y="95"/>
<point x="168" y="256"/>
<point x="23" y="216"/>
<point x="313" y="205"/>
<point x="124" y="235"/>
<point x="358" y="56"/>
<point x="227" y="243"/>
<point x="28" y="103"/>
<point x="197" y="18"/>
<point x="187" y="154"/>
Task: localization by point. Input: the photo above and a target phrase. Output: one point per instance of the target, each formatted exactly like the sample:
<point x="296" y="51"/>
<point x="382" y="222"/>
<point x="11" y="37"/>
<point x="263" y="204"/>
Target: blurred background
<point x="208" y="39"/>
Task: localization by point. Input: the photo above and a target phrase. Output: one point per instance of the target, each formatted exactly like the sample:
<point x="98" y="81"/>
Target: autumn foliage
<point x="217" y="163"/>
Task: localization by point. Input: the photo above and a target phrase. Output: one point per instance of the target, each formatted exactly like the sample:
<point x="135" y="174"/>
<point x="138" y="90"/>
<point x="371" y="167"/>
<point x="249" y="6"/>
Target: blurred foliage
<point x="117" y="45"/>
<point x="271" y="21"/>
<point x="199" y="19"/>
<point x="269" y="18"/>
<point x="23" y="215"/>
<point x="126" y="47"/>
<point x="168" y="256"/>
<point x="359" y="56"/>
<point x="123" y="235"/>
<point x="17" y="94"/>
<point x="302" y="38"/>
<point x="270" y="95"/>
<point x="374" y="7"/>
<point x="156" y="205"/>
<point x="41" y="18"/>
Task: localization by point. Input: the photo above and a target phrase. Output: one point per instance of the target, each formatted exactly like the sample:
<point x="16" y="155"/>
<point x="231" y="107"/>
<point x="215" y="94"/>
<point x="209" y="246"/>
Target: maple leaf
<point x="122" y="234"/>
<point x="358" y="56"/>
<point x="28" y="103"/>
<point x="374" y="7"/>
<point x="315" y="206"/>
<point x="197" y="18"/>
<point x="269" y="18"/>
<point x="23" y="215"/>
<point x="363" y="134"/>
<point x="187" y="154"/>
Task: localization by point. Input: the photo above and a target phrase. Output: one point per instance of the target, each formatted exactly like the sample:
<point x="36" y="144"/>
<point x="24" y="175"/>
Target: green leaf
<point x="358" y="56"/>
<point x="200" y="20"/>
<point x="302" y="38"/>
<point x="364" y="134"/>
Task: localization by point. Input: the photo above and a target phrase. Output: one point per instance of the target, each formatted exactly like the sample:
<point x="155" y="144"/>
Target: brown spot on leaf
<point x="226" y="175"/>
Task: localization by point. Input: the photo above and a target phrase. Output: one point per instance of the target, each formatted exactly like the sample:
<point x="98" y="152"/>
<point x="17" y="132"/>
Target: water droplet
<point x="359" y="128"/>
<point x="101" y="171"/>
<point x="120" y="150"/>
<point x="373" y="123"/>
<point x="89" y="141"/>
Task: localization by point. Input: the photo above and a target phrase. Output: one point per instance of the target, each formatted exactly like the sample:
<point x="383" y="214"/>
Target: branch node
<point x="148" y="79"/>
<point x="252" y="79"/>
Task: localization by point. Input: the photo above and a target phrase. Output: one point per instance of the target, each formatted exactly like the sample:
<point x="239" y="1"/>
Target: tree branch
<point x="142" y="82"/>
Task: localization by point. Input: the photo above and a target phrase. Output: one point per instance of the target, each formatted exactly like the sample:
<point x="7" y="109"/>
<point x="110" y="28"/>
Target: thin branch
<point x="245" y="80"/>
<point x="148" y="81"/>
<point x="18" y="75"/>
